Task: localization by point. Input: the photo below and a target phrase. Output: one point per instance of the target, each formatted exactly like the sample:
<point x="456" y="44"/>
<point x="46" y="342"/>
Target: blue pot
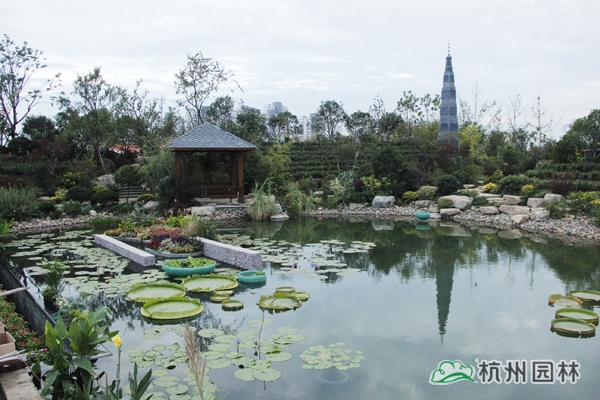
<point x="251" y="277"/>
<point x="182" y="272"/>
<point x="422" y="215"/>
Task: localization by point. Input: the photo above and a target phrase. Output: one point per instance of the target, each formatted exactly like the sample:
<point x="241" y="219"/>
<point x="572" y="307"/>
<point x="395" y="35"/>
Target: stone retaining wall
<point x="123" y="249"/>
<point x="233" y="255"/>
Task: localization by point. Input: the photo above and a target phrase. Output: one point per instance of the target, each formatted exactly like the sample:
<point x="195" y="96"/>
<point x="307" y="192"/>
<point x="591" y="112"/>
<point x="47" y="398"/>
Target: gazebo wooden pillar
<point x="209" y="138"/>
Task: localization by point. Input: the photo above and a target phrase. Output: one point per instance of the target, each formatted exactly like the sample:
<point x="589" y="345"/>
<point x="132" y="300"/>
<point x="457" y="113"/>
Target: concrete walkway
<point x="17" y="385"/>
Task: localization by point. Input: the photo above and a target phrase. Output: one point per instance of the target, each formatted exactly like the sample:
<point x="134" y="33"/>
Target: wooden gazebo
<point x="211" y="139"/>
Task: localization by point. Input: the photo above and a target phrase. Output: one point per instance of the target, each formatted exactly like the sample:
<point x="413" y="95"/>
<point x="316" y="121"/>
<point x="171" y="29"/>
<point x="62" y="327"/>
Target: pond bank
<point x="573" y="230"/>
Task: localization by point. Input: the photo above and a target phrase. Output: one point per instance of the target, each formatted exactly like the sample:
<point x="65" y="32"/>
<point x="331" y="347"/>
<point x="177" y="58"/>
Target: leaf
<point x="219" y="363"/>
<point x="278" y="357"/>
<point x="287" y="330"/>
<point x="246" y="374"/>
<point x="220" y="347"/>
<point x="267" y="375"/>
<point x="84" y="363"/>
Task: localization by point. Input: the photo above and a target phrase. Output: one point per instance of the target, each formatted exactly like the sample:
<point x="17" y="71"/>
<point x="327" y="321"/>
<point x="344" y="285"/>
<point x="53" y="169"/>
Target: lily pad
<point x="573" y="327"/>
<point x="302" y="296"/>
<point x="209" y="283"/>
<point x="584" y="315"/>
<point x="219" y="363"/>
<point x="279" y="301"/>
<point x="232" y="305"/>
<point x="278" y="357"/>
<point x="564" y="301"/>
<point x="586" y="295"/>
<point x="210" y="333"/>
<point x="285" y="289"/>
<point x="172" y="308"/>
<point x="321" y="357"/>
<point x="260" y="321"/>
<point x="219" y="298"/>
<point x="143" y="292"/>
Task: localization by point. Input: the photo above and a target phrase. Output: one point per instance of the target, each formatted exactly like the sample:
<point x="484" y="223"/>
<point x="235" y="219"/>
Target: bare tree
<point x="486" y="115"/>
<point x="17" y="66"/>
<point x="543" y="122"/>
<point x="197" y="81"/>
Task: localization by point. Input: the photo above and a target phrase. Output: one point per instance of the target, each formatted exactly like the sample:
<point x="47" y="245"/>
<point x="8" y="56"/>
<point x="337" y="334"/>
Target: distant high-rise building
<point x="448" y="110"/>
<point x="273" y="109"/>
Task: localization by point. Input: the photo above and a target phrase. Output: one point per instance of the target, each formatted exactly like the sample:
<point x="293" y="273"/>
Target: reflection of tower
<point x="448" y="109"/>
<point x="444" y="254"/>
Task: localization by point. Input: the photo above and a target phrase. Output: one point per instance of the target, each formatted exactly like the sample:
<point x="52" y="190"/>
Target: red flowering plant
<point x="25" y="338"/>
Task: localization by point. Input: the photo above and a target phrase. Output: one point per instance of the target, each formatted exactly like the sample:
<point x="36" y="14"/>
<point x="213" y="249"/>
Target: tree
<point x="360" y="125"/>
<point x="251" y="125"/>
<point x="384" y="123"/>
<point x="284" y="124"/>
<point x="17" y="66"/>
<point x="197" y="81"/>
<point x="329" y="118"/>
<point x="128" y="175"/>
<point x="38" y="127"/>
<point x="142" y="122"/>
<point x="91" y="118"/>
<point x="588" y="130"/>
<point x="220" y="112"/>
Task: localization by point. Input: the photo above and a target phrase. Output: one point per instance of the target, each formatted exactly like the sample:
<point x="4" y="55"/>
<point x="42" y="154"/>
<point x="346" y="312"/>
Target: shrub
<point x="426" y="192"/>
<point x="512" y="184"/>
<point x="105" y="197"/>
<point x="445" y="203"/>
<point x="561" y="186"/>
<point x="146" y="197"/>
<point x="124" y="208"/>
<point x="412" y="177"/>
<point x="71" y="179"/>
<point x="263" y="205"/>
<point x="447" y="184"/>
<point x="72" y="208"/>
<point x="495" y="177"/>
<point x="583" y="202"/>
<point x="330" y="202"/>
<point x="79" y="193"/>
<point x="556" y="208"/>
<point x="491" y="188"/>
<point x="479" y="201"/>
<point x="527" y="190"/>
<point x="470" y="192"/>
<point x="128" y="175"/>
<point x="397" y="189"/>
<point x="202" y="227"/>
<point x="48" y="209"/>
<point x="298" y="202"/>
<point x="410" y="196"/>
<point x="59" y="195"/>
<point x="105" y="223"/>
<point x="18" y="204"/>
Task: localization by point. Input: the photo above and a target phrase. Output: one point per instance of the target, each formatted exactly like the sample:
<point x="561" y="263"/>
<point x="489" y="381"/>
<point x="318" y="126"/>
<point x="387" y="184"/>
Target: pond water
<point x="416" y="297"/>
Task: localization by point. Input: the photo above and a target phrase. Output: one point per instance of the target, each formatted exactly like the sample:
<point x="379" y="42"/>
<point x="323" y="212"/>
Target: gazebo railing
<point x="221" y="191"/>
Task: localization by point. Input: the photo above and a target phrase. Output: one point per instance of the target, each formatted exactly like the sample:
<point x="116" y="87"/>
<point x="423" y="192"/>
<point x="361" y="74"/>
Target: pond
<point x="401" y="301"/>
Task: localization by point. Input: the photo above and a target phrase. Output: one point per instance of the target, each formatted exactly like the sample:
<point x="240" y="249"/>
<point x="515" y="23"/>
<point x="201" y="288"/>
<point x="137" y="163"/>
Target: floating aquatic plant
<point x="573" y="327"/>
<point x="172" y="308"/>
<point x="279" y="302"/>
<point x="584" y="315"/>
<point x="146" y="291"/>
<point x="586" y="295"/>
<point x="321" y="357"/>
<point x="564" y="301"/>
<point x="232" y="305"/>
<point x="209" y="283"/>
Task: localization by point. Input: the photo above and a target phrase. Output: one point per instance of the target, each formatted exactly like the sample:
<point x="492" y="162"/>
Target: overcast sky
<point x="305" y="52"/>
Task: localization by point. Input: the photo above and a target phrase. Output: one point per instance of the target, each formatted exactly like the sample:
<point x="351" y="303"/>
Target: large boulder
<point x="206" y="211"/>
<point x="151" y="206"/>
<point x="383" y="201"/>
<point x="448" y="212"/>
<point x="279" y="217"/>
<point x="105" y="180"/>
<point x="460" y="202"/>
<point x="512" y="200"/>
<point x="542" y="215"/>
<point x="422" y="203"/>
<point x="355" y="206"/>
<point x="552" y="196"/>
<point x="535" y="202"/>
<point x="514" y="210"/>
<point x="519" y="218"/>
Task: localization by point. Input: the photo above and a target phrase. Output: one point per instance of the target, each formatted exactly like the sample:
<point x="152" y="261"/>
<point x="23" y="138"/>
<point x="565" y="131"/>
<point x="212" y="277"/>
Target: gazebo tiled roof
<point x="207" y="137"/>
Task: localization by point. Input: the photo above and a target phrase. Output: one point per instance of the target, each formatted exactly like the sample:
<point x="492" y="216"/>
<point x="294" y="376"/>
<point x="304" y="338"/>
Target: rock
<point x="435" y="215"/>
<point x="460" y="202"/>
<point x="383" y="224"/>
<point x="354" y="206"/>
<point x="422" y="203"/>
<point x="512" y="200"/>
<point x="448" y="212"/>
<point x="152" y="206"/>
<point x="468" y="186"/>
<point x="489" y="210"/>
<point x="383" y="201"/>
<point x="206" y="211"/>
<point x="567" y="219"/>
<point x="105" y="180"/>
<point x="278" y="209"/>
<point x="510" y="234"/>
<point x="519" y="218"/>
<point x="534" y="202"/>
<point x="551" y="197"/>
<point x="540" y="215"/>
<point x="93" y="213"/>
<point x="433" y="209"/>
<point x="514" y="210"/>
<point x="279" y="217"/>
<point x="489" y="195"/>
<point x="533" y="209"/>
<point x="488" y="231"/>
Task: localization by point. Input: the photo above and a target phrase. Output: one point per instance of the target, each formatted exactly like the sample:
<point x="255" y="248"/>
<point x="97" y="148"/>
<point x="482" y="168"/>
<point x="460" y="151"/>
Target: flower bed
<point x="25" y="338"/>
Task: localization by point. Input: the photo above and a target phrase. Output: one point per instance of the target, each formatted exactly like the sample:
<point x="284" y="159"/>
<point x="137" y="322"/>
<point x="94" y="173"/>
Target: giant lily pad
<point x="573" y="327"/>
<point x="586" y="295"/>
<point x="232" y="305"/>
<point x="564" y="301"/>
<point x="172" y="308"/>
<point x="209" y="283"/>
<point x="144" y="292"/>
<point x="584" y="315"/>
<point x="279" y="301"/>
